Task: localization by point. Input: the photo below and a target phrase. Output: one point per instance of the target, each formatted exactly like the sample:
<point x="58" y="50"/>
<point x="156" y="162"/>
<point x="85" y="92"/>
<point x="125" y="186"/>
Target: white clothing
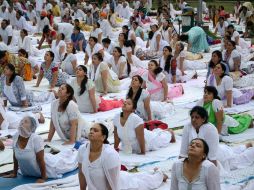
<point x="230" y="60"/>
<point x="10" y="94"/>
<point x="31" y="15"/>
<point x="5" y="124"/>
<point x="106" y="28"/>
<point x="225" y="85"/>
<point x="25" y="44"/>
<point x="66" y="65"/>
<point x="66" y="29"/>
<point x="181" y="55"/>
<point x="159" y="94"/>
<point x="3" y="15"/>
<point x="222" y="29"/>
<point x="208" y="178"/>
<point x="165" y="34"/>
<point x="3" y="47"/>
<point x="95" y="33"/>
<point x="12" y="17"/>
<point x="55" y="48"/>
<point x="97" y="47"/>
<point x="116" y="66"/>
<point x="79" y="14"/>
<point x="234" y="35"/>
<point x="42" y="23"/>
<point x="56" y="165"/>
<point x="154" y="140"/>
<point x="83" y="101"/>
<point x="39" y="5"/>
<point x="125" y="12"/>
<point x="103" y="173"/>
<point x="22" y="24"/>
<point x="110" y="48"/>
<point x="48" y="6"/>
<point x="61" y="120"/>
<point x="208" y="132"/>
<point x="118" y="8"/>
<point x="153" y="42"/>
<point x="5" y="33"/>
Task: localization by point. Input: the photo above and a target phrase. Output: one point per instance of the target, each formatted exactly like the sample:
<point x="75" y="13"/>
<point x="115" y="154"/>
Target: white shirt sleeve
<point x="38" y="143"/>
<point x="235" y="54"/>
<point x="217" y="105"/>
<point x="81" y="153"/>
<point x="228" y="83"/>
<point x="185" y="141"/>
<point x="160" y="76"/>
<point x="174" y="183"/>
<point x="136" y="120"/>
<point x="9" y="30"/>
<point x="212" y="139"/>
<point x="213" y="178"/>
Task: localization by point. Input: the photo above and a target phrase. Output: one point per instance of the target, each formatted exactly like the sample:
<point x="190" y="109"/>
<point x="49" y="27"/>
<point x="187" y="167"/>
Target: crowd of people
<point x="123" y="41"/>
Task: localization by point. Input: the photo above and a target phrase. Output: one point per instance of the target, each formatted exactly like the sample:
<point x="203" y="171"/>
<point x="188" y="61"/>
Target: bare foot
<point x="165" y="177"/>
<point x="173" y="138"/>
<point x="248" y="145"/>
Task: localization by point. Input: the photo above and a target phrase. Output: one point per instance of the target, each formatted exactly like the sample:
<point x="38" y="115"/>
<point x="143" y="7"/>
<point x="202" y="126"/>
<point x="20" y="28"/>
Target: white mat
<point x="246" y="135"/>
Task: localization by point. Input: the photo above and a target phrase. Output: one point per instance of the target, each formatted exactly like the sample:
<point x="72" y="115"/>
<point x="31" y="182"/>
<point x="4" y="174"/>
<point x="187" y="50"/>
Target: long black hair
<point x="104" y="131"/>
<point x="127" y="28"/>
<point x="138" y="94"/>
<point x="84" y="81"/>
<point x="212" y="90"/>
<point x="11" y="67"/>
<point x="168" y="60"/>
<point x="69" y="91"/>
<point x="158" y="69"/>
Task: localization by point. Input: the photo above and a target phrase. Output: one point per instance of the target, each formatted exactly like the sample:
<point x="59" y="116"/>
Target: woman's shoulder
<point x="227" y="78"/>
<point x="18" y="79"/>
<point x="208" y="164"/>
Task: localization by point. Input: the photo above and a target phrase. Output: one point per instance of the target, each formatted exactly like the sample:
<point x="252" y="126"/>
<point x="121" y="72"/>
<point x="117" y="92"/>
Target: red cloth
<point x="154" y="124"/>
<point x="107" y="105"/>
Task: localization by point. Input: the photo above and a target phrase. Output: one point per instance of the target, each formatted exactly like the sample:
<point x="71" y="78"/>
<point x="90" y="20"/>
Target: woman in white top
<point x="221" y="27"/>
<point x="93" y="47"/>
<point x="223" y="84"/>
<point x="84" y="91"/>
<point x="235" y="36"/>
<point x="29" y="155"/>
<point x="58" y="47"/>
<point x="195" y="172"/>
<point x="24" y="41"/>
<point x="69" y="62"/>
<point x="97" y="32"/>
<point x="155" y="42"/>
<point x="130" y="34"/>
<point x="232" y="57"/>
<point x="180" y="56"/>
<point x="166" y="31"/>
<point x="200" y="128"/>
<point x="119" y="64"/>
<point x="155" y="82"/>
<point x="99" y="164"/>
<point x="129" y="129"/>
<point x="66" y="119"/>
<point x="141" y="96"/>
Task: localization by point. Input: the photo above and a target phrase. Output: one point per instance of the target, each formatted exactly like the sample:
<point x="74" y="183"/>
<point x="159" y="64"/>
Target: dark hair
<point x="150" y="34"/>
<point x="231" y="26"/>
<point x="63" y="36"/>
<point x="158" y="69"/>
<point x="212" y="90"/>
<point x="224" y="69"/>
<point x="106" y="41"/>
<point x="125" y="36"/>
<point x="52" y="55"/>
<point x="166" y="28"/>
<point x="99" y="56"/>
<point x="201" y="112"/>
<point x="70" y="91"/>
<point x="206" y="147"/>
<point x="104" y="131"/>
<point x="6" y="21"/>
<point x="2" y="54"/>
<point x="127" y="28"/>
<point x="98" y="25"/>
<point x="138" y="94"/>
<point x="94" y="39"/>
<point x="45" y="29"/>
<point x="184" y="38"/>
<point x="24" y="52"/>
<point x="76" y="20"/>
<point x="233" y="43"/>
<point x="77" y="28"/>
<point x="12" y="69"/>
<point x="221" y="17"/>
<point x="19" y="12"/>
<point x="168" y="60"/>
<point x="25" y="31"/>
<point x="219" y="54"/>
<point x="119" y="50"/>
<point x="84" y="81"/>
<point x="135" y="22"/>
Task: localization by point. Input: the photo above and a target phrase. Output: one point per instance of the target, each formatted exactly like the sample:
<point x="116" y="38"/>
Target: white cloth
<point x="108" y="168"/>
<point x="153" y="42"/>
<point x="10" y="94"/>
<point x="116" y="66"/>
<point x="42" y="23"/>
<point x="234" y="55"/>
<point x="3" y="47"/>
<point x="5" y="124"/>
<point x="221" y="29"/>
<point x="208" y="178"/>
<point x="66" y="29"/>
<point x="234" y="35"/>
<point x="61" y="120"/>
<point x="39" y="5"/>
<point x="31" y="15"/>
<point x="225" y="85"/>
<point x="208" y="132"/>
<point x="22" y="24"/>
<point x="25" y="44"/>
<point x="66" y="65"/>
<point x="154" y="140"/>
<point x="5" y="33"/>
<point x="97" y="47"/>
<point x="79" y="14"/>
<point x="12" y="17"/>
<point x="95" y="33"/>
<point x="141" y="106"/>
<point x="106" y="28"/>
<point x="83" y="101"/>
<point x="124" y="12"/>
<point x="55" y="48"/>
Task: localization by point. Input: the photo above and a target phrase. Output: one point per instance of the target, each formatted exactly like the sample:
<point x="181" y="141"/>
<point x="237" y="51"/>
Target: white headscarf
<point x="27" y="131"/>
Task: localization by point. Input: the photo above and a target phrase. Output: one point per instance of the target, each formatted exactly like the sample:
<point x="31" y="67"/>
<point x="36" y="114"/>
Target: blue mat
<point x="9" y="183"/>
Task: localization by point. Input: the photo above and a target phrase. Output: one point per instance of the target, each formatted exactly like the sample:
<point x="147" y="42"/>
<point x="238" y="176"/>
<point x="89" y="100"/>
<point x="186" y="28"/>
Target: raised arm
<point x="141" y="138"/>
<point x="42" y="166"/>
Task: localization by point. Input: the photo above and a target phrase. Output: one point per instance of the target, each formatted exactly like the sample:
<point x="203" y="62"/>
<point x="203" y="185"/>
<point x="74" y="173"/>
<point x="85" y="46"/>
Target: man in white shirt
<point x="39" y="6"/>
<point x="11" y="16"/>
<point x="6" y="32"/>
<point x="3" y="12"/>
<point x="65" y="28"/>
<point x="105" y="7"/>
<point x="105" y="25"/>
<point x="108" y="45"/>
<point x="78" y="14"/>
<point x="31" y="14"/>
<point x="48" y="5"/>
<point x="4" y="3"/>
<point x="125" y="11"/>
<point x="43" y="21"/>
<point x="87" y="6"/>
<point x="244" y="15"/>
